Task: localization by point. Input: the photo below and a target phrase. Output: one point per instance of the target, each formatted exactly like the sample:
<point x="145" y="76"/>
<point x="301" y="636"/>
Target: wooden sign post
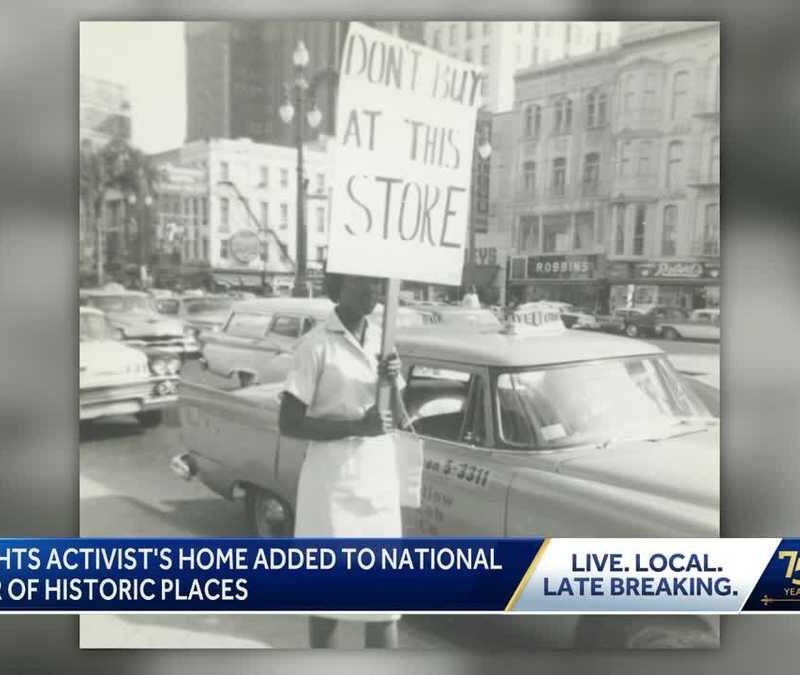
<point x="384" y="394"/>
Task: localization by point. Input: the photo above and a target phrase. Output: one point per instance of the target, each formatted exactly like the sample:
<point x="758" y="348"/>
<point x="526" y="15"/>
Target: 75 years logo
<point x="792" y="568"/>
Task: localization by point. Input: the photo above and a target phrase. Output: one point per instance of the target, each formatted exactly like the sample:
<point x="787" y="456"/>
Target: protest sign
<point x="405" y="136"/>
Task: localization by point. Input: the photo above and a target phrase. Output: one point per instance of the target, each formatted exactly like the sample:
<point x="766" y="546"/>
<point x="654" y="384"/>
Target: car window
<point x="435" y="402"/>
<point x="244" y="324"/>
<point x="308" y="324"/>
<point x="287" y="326"/>
<point x="168" y="305"/>
<point x="593" y="402"/>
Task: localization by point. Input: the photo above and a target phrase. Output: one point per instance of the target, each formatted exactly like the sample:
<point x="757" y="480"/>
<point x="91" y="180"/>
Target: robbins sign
<point x="555" y="267"/>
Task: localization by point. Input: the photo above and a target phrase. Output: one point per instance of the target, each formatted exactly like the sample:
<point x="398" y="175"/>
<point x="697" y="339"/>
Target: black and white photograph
<point x="306" y="310"/>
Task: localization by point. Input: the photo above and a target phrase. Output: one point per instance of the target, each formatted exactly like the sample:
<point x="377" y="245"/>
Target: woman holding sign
<point x="348" y="483"/>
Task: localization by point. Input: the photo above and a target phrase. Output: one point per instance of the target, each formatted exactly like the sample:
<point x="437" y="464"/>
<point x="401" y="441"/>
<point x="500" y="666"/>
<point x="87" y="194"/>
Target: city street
<point x="127" y="489"/>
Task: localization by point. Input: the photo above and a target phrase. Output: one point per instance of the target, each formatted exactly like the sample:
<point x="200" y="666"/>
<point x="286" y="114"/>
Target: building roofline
<point x="567" y="63"/>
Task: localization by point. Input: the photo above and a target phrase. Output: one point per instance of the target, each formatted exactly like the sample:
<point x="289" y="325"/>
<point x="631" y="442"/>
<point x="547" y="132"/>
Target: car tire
<point x="150" y="418"/>
<point x="670" y="334"/>
<point x="631" y="330"/>
<point x="267" y="515"/>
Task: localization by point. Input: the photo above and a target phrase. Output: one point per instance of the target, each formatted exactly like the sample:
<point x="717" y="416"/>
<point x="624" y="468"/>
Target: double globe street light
<point x="300" y="95"/>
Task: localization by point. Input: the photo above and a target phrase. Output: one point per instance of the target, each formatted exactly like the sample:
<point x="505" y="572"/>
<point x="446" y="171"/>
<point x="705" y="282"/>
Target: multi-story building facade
<point x="607" y="183"/>
<point x="236" y="71"/>
<point x="219" y="189"/>
<point x="503" y="47"/>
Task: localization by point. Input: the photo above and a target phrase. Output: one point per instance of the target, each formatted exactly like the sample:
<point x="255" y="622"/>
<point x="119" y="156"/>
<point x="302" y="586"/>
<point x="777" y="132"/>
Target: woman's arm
<point x="293" y="421"/>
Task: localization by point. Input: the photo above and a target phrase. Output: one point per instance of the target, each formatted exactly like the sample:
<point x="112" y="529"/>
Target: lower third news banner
<point x="487" y="576"/>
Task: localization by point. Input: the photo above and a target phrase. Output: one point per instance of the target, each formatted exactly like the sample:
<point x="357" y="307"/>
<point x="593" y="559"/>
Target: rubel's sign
<point x="405" y="136"/>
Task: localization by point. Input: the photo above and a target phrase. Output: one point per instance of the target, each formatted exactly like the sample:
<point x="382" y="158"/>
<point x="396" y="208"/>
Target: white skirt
<point x="348" y="488"/>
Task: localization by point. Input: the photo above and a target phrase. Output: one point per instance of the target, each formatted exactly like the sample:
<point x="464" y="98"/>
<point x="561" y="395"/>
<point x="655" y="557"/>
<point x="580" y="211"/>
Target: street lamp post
<point x="299" y="96"/>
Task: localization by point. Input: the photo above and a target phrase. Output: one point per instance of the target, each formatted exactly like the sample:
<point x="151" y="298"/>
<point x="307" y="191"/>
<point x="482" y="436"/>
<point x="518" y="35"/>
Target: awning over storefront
<point x="480" y="275"/>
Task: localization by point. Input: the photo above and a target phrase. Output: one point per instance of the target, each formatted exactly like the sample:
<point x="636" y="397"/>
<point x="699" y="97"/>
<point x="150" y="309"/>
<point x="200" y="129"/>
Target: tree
<point x="115" y="166"/>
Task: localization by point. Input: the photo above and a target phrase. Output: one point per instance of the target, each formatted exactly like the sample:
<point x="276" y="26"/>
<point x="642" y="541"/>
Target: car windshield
<point x="94" y="327"/>
<point x="124" y="304"/>
<point x="208" y="305"/>
<point x="594" y="402"/>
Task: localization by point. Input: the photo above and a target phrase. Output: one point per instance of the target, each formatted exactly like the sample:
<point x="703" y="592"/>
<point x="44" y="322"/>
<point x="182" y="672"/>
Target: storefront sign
<point x="561" y="267"/>
<point x="245" y="246"/>
<point x="404" y="149"/>
<point x="677" y="270"/>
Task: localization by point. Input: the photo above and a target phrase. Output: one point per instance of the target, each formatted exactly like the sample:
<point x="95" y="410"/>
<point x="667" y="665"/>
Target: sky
<point x="149" y="59"/>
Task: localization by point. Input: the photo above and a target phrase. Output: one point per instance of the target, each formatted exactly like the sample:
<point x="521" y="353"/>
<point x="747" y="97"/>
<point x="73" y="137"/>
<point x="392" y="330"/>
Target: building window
<point x="264" y="177"/>
<point x="284" y="216"/>
<point x="680" y="95"/>
<point x="595" y="109"/>
<point x="224" y="171"/>
<point x="529" y="176"/>
<point x="487" y="27"/>
<point x="650" y="86"/>
<point x="485" y="55"/>
<point x="625" y="159"/>
<point x="223" y="249"/>
<point x="638" y="229"/>
<point x="715" y="158"/>
<point x="629" y="93"/>
<point x="205" y="248"/>
<point x="591" y="173"/>
<point x="528" y="234"/>
<point x="224" y="214"/>
<point x="711" y="230"/>
<point x="619" y="231"/>
<point x="643" y="166"/>
<point x="669" y="230"/>
<point x="321" y="219"/>
<point x="559" y="175"/>
<point x="469" y="30"/>
<point x="284" y="178"/>
<point x="321" y="253"/>
<point x="265" y="215"/>
<point x="584" y="231"/>
<point x="320" y="182"/>
<point x="674" y="165"/>
<point x="563" y="117"/>
<point x="453" y="29"/>
<point x="555" y="233"/>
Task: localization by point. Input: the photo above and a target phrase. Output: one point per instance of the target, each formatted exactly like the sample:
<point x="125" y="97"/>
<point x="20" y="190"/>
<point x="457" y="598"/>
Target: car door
<point x="237" y="347"/>
<point x="704" y="326"/>
<point x="463" y="488"/>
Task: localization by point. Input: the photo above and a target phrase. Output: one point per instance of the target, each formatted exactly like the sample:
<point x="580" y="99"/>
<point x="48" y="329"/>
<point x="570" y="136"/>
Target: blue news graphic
<point x="261" y="574"/>
<point x="778" y="588"/>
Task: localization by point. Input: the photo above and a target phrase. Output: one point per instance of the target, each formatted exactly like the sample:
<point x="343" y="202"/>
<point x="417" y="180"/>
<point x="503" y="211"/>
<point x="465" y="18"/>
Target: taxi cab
<point x="116" y="379"/>
<point x="527" y="431"/>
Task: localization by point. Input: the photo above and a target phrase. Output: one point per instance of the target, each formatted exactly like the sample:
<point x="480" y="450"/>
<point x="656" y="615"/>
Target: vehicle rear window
<point x="243" y="324"/>
<point x="287" y="326"/>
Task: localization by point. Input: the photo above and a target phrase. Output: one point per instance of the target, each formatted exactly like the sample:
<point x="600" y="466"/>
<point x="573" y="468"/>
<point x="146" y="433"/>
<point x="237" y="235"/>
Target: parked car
<point x="116" y="379"/>
<point x="257" y="341"/>
<point x="198" y="312"/>
<point x="135" y="319"/>
<point x="642" y="321"/>
<point x="701" y="324"/>
<point x="567" y="433"/>
<point x="580" y="318"/>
